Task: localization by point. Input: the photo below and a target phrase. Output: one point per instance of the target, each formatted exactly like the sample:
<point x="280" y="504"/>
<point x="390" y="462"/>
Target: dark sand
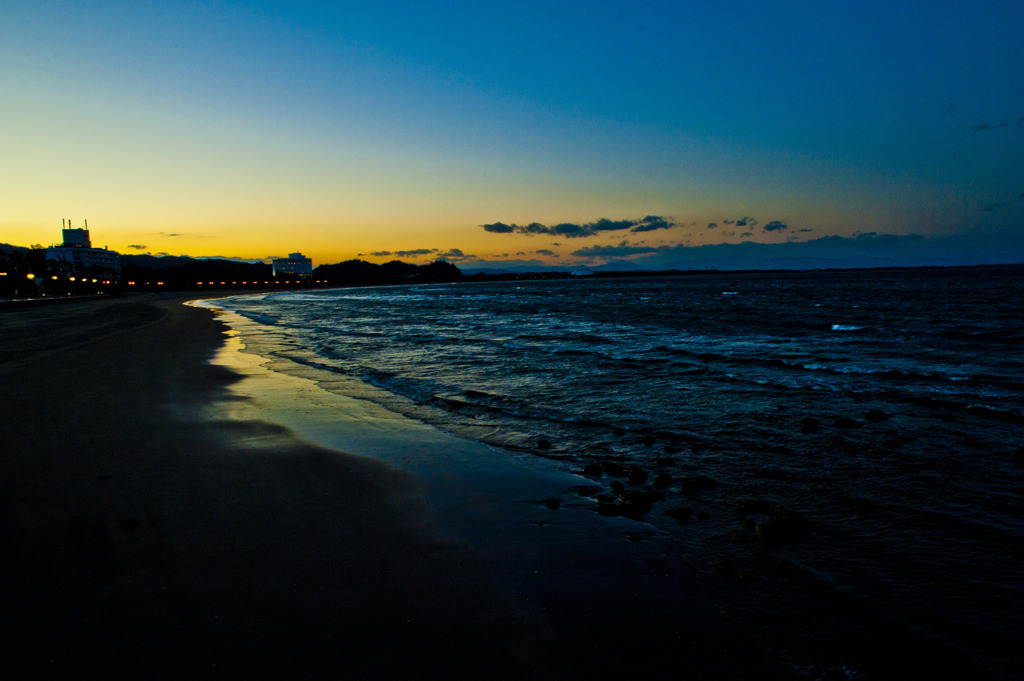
<point x="137" y="544"/>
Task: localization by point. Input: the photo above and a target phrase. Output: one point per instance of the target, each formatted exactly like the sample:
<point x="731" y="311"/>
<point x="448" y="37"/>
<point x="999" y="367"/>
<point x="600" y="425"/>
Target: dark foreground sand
<point x="139" y="545"/>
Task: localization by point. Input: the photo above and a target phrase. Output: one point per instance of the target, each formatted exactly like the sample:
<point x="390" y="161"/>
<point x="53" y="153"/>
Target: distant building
<point x="295" y="265"/>
<point x="81" y="258"/>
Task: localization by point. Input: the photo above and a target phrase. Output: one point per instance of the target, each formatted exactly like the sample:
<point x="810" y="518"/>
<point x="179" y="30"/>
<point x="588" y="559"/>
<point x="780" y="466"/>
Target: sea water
<point x="885" y="408"/>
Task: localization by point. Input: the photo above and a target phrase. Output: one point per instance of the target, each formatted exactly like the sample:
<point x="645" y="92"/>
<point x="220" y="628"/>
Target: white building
<point x="295" y="265"/>
<point x="81" y="258"/>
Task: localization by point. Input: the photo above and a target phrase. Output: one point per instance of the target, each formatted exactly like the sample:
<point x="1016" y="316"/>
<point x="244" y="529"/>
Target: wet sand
<point x="157" y="523"/>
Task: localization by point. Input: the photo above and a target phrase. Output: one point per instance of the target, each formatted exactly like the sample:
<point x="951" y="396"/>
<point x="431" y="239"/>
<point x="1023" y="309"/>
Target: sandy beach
<point x="159" y="522"/>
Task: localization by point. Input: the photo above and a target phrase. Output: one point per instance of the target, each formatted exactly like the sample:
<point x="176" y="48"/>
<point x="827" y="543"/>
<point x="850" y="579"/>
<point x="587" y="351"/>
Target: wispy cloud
<point x="572" y="230"/>
<point x="999" y="125"/>
<point x="775" y="226"/>
<point x="137" y="247"/>
<point x="414" y="252"/>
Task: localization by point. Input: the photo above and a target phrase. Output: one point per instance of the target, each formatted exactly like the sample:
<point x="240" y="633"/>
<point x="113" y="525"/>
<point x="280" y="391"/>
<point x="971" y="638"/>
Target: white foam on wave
<point x="846" y="327"/>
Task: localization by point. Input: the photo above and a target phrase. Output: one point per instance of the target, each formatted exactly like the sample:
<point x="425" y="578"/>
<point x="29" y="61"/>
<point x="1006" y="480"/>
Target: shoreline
<point x="147" y="538"/>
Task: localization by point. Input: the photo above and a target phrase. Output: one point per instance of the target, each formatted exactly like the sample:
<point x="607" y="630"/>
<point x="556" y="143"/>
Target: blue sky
<point x="349" y="129"/>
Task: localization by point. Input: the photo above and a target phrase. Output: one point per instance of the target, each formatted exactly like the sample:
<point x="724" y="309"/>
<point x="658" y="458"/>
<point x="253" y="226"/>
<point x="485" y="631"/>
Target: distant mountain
<point x="183" y="270"/>
<point x="396" y="271"/>
<point x="620" y="266"/>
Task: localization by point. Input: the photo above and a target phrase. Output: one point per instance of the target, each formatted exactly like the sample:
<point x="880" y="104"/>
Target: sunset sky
<point x="506" y="131"/>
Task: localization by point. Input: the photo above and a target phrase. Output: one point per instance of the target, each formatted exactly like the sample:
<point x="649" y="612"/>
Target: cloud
<point x="745" y="234"/>
<point x="651" y="223"/>
<point x="499" y="228"/>
<point x="418" y="251"/>
<point x="805" y="229"/>
<point x="712" y="225"/>
<point x="544" y="251"/>
<point x="572" y="230"/>
<point x="455" y="254"/>
<point x="378" y="254"/>
<point x="775" y="225"/>
<point x="1001" y="125"/>
<point x="137" y="247"/>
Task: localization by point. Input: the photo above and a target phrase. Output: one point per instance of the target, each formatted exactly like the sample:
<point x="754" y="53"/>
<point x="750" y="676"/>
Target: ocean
<point x="840" y="454"/>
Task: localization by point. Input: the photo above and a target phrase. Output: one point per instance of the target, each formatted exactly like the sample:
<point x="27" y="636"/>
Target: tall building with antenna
<point x="80" y="257"/>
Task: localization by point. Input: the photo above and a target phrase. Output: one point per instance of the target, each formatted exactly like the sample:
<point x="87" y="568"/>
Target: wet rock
<point x="636" y="475"/>
<point x="896" y="441"/>
<point x="543" y="444"/>
<point x="786" y="531"/>
<point x="846" y="422"/>
<point x="859" y="504"/>
<point x="663" y="480"/>
<point x="782" y="526"/>
<point x="611" y="510"/>
<point x="612" y="468"/>
<point x="695" y="484"/>
<point x="876" y="415"/>
<point x="606" y="498"/>
<point x="809" y="425"/>
<point x="637" y="502"/>
<point x="593" y="470"/>
<point x="617" y="487"/>
<point x="680" y="513"/>
<point x="588" y="491"/>
<point x="757" y="506"/>
<point x="726" y="566"/>
<point x="552" y="504"/>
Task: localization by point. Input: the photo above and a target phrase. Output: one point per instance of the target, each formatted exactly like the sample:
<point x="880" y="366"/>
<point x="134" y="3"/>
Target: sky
<point x="564" y="133"/>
